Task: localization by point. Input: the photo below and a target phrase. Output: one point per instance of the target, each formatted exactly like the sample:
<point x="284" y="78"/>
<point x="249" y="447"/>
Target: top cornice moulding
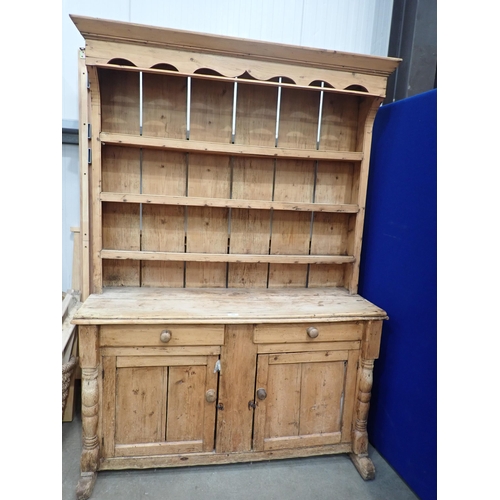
<point x="104" y="29"/>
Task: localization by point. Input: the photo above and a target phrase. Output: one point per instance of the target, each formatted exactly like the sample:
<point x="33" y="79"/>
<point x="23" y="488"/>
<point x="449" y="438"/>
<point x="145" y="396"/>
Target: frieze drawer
<point x="307" y="332"/>
<point x="161" y="335"/>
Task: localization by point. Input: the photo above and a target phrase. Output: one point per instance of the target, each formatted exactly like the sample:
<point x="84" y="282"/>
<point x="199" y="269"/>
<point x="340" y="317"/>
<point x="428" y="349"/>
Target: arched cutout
<point x="357" y="88"/>
<point x="167" y="67"/>
<point x="121" y="62"/>
<point x="284" y="79"/>
<point x="318" y="83"/>
<point x="207" y="71"/>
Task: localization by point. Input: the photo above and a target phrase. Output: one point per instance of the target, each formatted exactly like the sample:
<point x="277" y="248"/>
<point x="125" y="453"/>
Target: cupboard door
<point x="158" y="405"/>
<point x="304" y="399"/>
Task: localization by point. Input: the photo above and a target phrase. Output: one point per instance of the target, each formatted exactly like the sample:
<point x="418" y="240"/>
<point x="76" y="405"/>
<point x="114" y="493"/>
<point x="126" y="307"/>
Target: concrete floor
<point x="316" y="478"/>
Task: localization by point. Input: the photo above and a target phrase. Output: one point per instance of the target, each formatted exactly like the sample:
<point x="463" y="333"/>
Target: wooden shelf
<point x="149" y="305"/>
<point x="218" y="148"/>
<point x="215" y="257"/>
<point x="187" y="201"/>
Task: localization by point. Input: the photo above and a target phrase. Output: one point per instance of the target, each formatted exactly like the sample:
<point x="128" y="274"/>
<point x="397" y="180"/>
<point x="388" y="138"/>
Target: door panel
<point x="321" y="397"/>
<point x="283" y="400"/>
<point x="186" y="389"/>
<point x="305" y="402"/>
<point x="140" y="403"/>
<point x="159" y="409"/>
<point x="237" y="386"/>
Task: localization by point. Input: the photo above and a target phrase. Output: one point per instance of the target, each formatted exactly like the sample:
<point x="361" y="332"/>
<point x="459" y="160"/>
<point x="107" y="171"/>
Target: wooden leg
<point x="90" y="412"/>
<point x="90" y="451"/>
<point x="85" y="486"/>
<point x="359" y="456"/>
<point x="364" y="465"/>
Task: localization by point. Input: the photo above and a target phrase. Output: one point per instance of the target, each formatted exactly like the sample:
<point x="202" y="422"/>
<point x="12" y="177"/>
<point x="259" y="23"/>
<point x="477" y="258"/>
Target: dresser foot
<point x="85" y="485"/>
<point x="364" y="465"/>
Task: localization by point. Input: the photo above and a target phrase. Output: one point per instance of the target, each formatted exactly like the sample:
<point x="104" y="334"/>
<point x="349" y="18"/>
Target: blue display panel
<point x="399" y="273"/>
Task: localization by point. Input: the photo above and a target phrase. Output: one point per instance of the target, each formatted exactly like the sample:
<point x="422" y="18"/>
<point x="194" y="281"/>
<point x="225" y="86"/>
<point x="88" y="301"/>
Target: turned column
<point x="89" y="356"/>
<point x="360" y="433"/>
<point x="369" y="352"/>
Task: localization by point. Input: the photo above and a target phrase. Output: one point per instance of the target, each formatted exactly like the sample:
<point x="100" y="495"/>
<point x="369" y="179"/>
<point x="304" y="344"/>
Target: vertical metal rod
<point x="140" y="102"/>
<point x="233" y="124"/>
<point x="141" y="105"/>
<point x="188" y="107"/>
<point x="320" y="115"/>
<point x="278" y="105"/>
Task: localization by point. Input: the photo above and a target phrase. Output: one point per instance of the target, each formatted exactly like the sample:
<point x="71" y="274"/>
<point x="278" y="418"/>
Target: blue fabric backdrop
<point x="399" y="273"/>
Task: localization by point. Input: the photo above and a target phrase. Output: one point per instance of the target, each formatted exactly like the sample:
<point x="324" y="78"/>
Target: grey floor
<point x="325" y="477"/>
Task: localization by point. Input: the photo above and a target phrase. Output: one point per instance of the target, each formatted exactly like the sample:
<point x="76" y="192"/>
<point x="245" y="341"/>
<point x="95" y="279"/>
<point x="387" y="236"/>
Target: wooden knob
<point x="165" y="336"/>
<point x="313" y="332"/>
<point x="210" y="396"/>
<point x="261" y="394"/>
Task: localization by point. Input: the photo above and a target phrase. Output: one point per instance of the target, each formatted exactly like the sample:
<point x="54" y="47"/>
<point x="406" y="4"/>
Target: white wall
<point x="361" y="26"/>
<point x="70" y="208"/>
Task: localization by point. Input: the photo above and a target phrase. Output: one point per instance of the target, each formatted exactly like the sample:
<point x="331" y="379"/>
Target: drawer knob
<point x="165" y="336"/>
<point x="261" y="394"/>
<point x="313" y="332"/>
<point x="210" y="396"/>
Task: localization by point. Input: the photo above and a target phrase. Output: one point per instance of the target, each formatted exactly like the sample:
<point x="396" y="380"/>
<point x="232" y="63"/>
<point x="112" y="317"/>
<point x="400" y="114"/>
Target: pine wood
<point x="158" y="351"/>
<point x="216" y="149"/>
<point x="173" y="418"/>
<point x="338" y="345"/>
<point x="272" y="334"/>
<point x="216" y="306"/>
<point x="210" y="458"/>
<point x="237" y="379"/>
<point x="140" y="401"/>
<point x="198" y="239"/>
<point x="109" y="31"/>
<point x="241" y="203"/>
<point x="367" y="113"/>
<point x="303" y="403"/>
<point x="164" y="110"/>
<point x="89" y="359"/>
<point x="221" y="244"/>
<point x="84" y="144"/>
<point x="108" y="361"/>
<point x="94" y="166"/>
<point x="181" y="335"/>
<point x="240" y="79"/>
